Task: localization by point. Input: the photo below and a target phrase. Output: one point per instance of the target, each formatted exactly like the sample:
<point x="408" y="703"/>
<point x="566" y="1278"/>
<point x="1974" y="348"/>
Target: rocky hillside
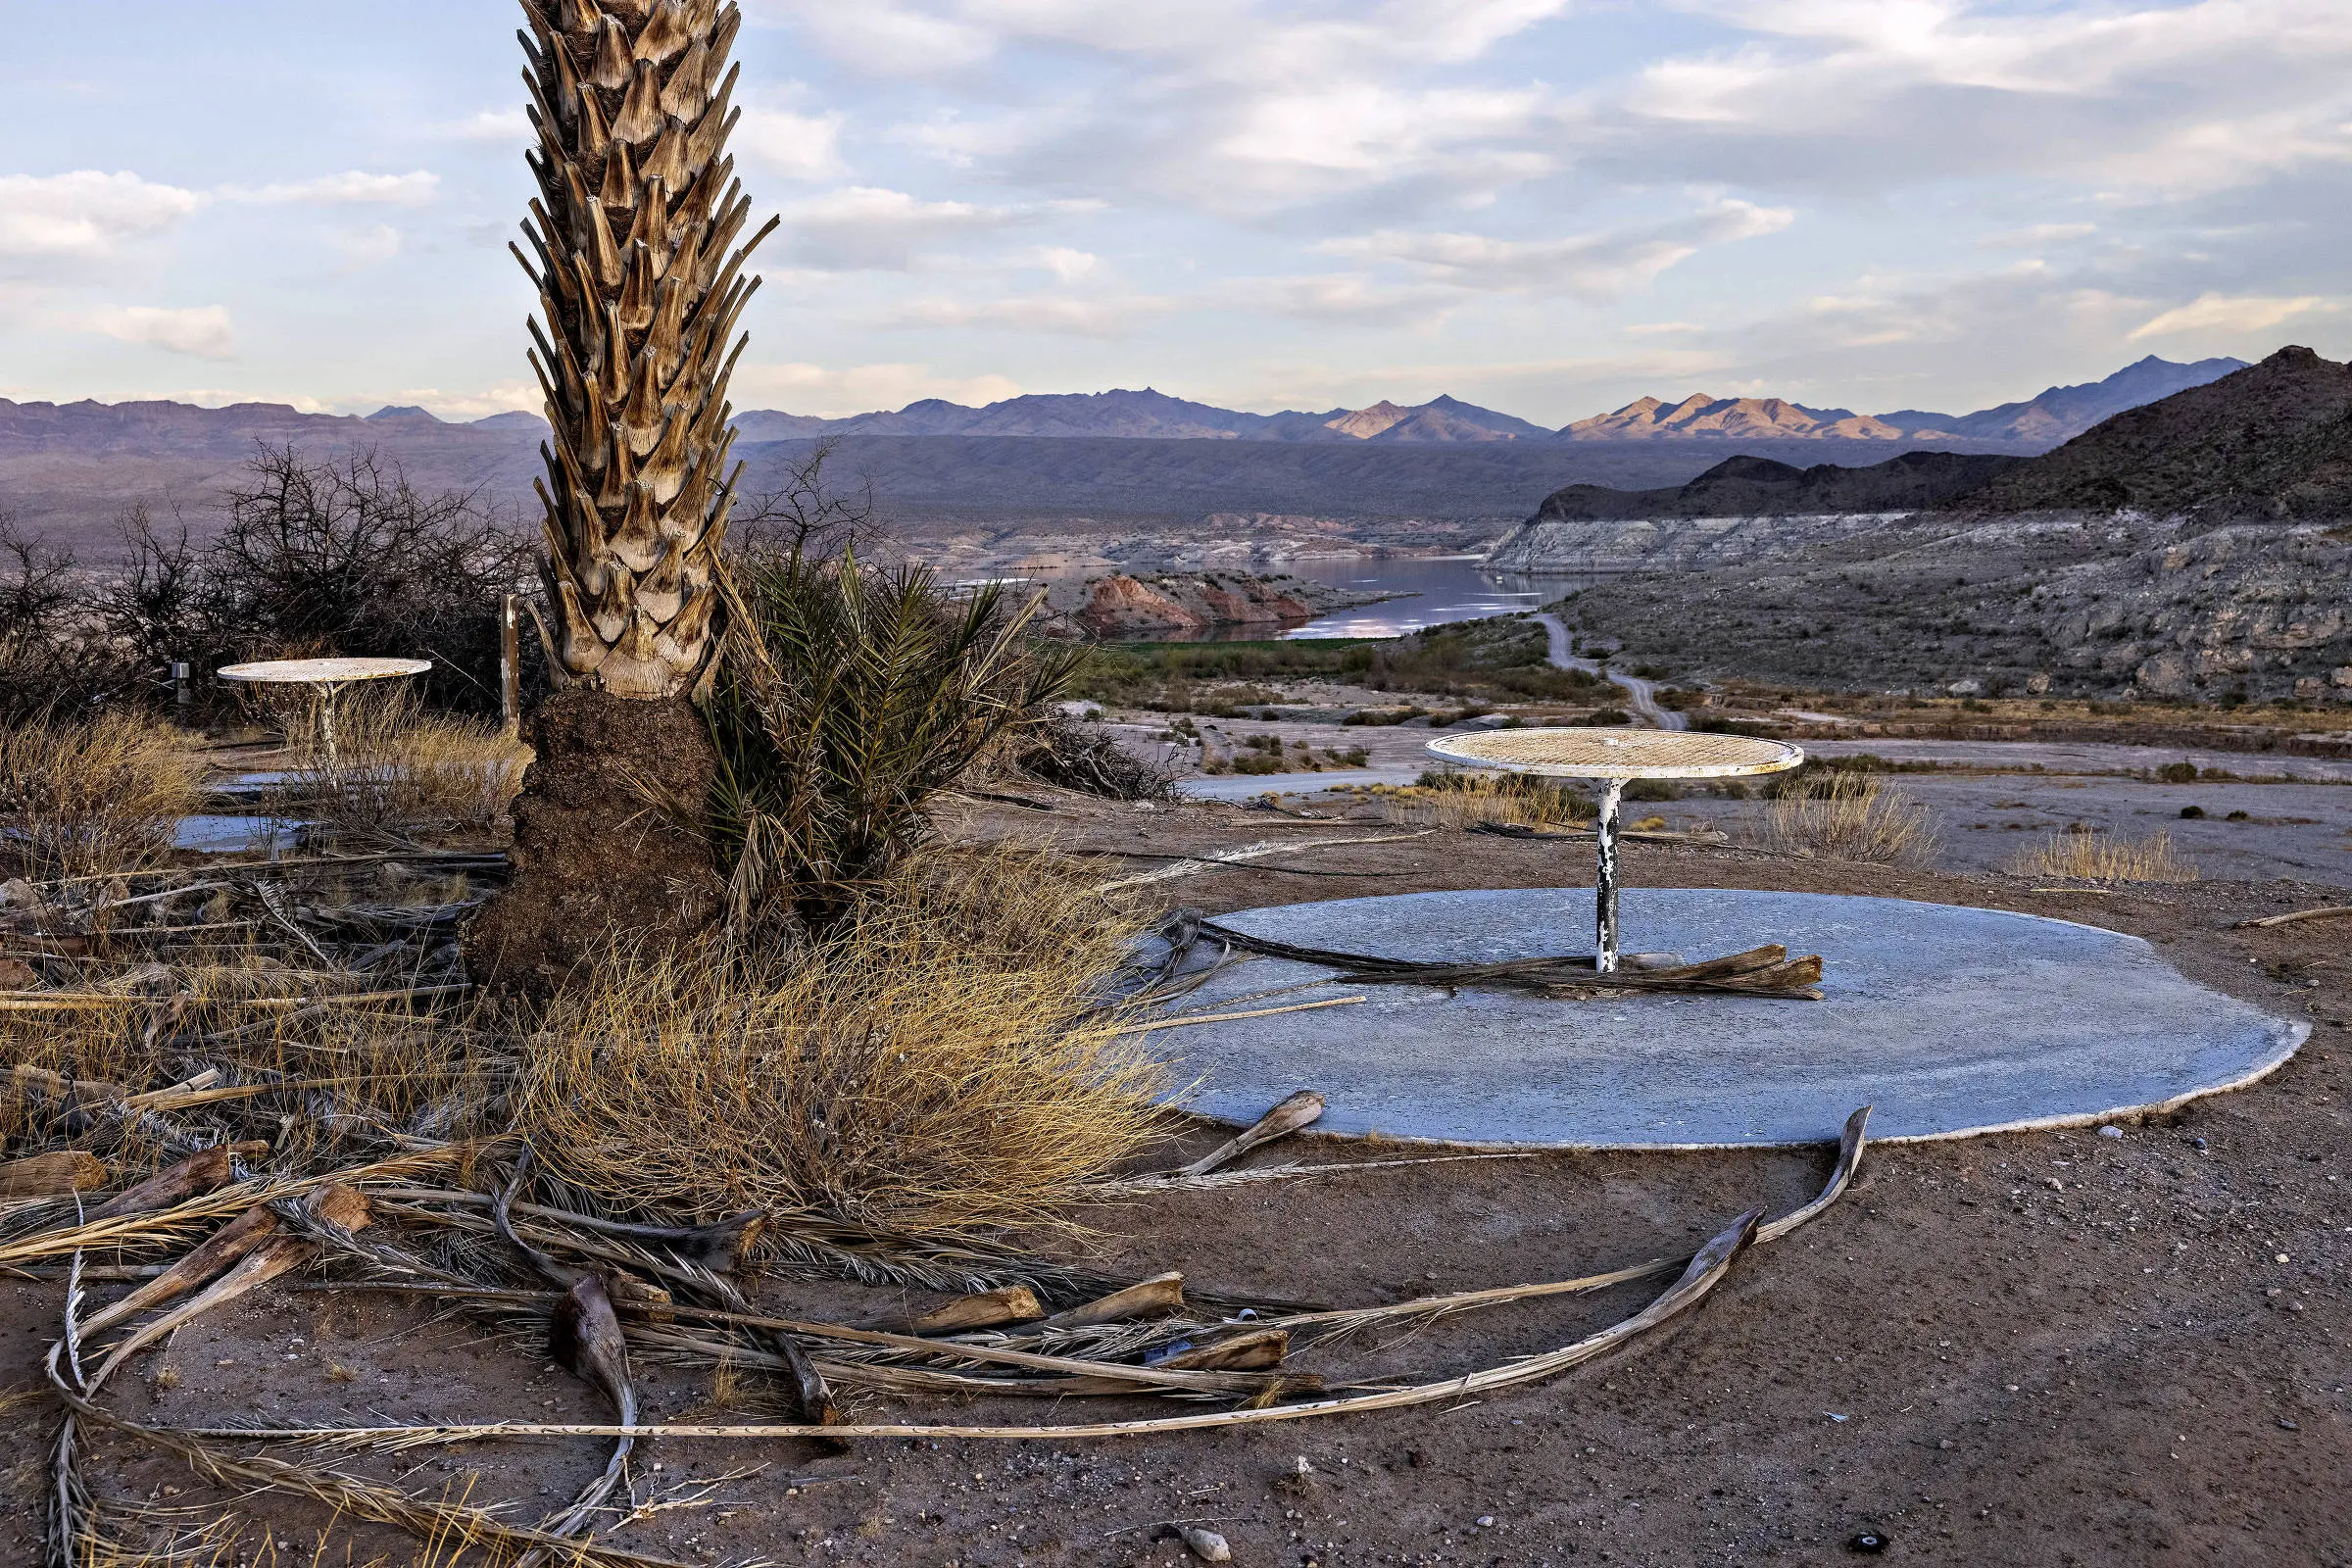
<point x="1139" y="607"/>
<point x="2271" y="440"/>
<point x="2197" y="547"/>
<point x="2071" y="604"/>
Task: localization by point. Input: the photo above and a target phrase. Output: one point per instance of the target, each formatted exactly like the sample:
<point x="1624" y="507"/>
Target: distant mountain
<point x="1758" y="487"/>
<point x="520" y="423"/>
<point x="1700" y="417"/>
<point x="2273" y="439"/>
<point x="1150" y="414"/>
<point x="2062" y="412"/>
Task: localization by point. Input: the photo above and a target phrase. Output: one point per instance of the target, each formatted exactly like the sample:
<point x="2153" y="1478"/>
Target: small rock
<point x="2284" y="1424"/>
<point x="18" y="975"/>
<point x="2053" y="1184"/>
<point x="1869" y="1543"/>
<point x="1206" y="1544"/>
<point x="16" y="894"/>
<point x="2111" y="1132"/>
<point x="1486" y="1521"/>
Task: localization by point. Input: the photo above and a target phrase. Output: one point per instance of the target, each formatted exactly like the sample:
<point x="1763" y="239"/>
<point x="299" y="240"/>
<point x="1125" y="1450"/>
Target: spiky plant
<point x="641" y="283"/>
<point x="640" y="292"/>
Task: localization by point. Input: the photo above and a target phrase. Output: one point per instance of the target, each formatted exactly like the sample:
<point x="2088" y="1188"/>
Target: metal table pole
<point x="1604" y="883"/>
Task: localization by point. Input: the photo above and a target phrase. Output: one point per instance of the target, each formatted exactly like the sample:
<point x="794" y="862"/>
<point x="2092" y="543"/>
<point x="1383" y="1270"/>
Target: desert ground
<point x="2060" y="1347"/>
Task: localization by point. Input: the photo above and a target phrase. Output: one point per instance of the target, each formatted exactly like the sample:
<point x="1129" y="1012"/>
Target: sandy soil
<point x="2058" y="1348"/>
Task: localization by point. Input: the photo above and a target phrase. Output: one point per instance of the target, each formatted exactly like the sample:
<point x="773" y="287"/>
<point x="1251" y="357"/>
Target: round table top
<point x="323" y="672"/>
<point x="1620" y="753"/>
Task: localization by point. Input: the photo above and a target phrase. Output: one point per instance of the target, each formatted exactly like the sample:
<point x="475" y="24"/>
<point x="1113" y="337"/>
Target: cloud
<point x="2218" y="313"/>
<point x="836" y="391"/>
<point x="887" y="38"/>
<point x="1065" y="263"/>
<point x="794" y="146"/>
<point x="86" y="214"/>
<point x="1340" y="297"/>
<point x="510" y="125"/>
<point x="506" y="397"/>
<point x="201" y="330"/>
<point x="368" y="247"/>
<point x="2036" y="235"/>
<point x="864" y="227"/>
<point x="1595" y="267"/>
<point x="1109" y="315"/>
<point x="414" y="189"/>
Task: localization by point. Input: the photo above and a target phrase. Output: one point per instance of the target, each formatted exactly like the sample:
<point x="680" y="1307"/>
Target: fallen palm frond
<point x="1766" y="971"/>
<point x="1194" y="865"/>
<point x="2095" y="857"/>
<point x="1850" y="817"/>
<point x="2328" y="912"/>
<point x="94" y="796"/>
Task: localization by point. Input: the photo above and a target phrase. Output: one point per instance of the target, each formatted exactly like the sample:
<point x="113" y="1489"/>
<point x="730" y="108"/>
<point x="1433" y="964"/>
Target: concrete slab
<point x="1950" y="1021"/>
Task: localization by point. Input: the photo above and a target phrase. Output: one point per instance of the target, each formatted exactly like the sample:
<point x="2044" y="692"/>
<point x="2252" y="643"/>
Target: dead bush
<point x="95" y="796"/>
<point x="1850" y="817"/>
<point x="2097" y="857"/>
<point x="1474" y="800"/>
<point x="934" y="1065"/>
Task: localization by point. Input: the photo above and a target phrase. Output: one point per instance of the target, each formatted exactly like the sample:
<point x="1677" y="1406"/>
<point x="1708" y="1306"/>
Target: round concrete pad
<point x="1948" y="1020"/>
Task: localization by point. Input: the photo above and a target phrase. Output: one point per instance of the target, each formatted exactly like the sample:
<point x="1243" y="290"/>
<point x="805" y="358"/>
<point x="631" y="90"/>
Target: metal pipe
<point x="1604" y="881"/>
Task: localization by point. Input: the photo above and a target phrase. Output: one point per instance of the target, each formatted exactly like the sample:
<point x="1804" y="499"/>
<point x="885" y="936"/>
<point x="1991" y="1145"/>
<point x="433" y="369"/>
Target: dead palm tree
<point x="634" y="247"/>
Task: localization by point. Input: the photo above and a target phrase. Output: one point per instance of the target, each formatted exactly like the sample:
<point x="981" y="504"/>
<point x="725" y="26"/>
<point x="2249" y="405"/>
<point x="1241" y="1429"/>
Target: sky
<point x="1549" y="207"/>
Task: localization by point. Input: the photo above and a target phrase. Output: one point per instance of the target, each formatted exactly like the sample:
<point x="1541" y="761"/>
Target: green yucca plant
<point x="847" y="697"/>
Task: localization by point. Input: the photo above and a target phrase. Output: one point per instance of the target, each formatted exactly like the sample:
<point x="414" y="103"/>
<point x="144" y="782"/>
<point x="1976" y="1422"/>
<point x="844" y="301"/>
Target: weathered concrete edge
<point x="2293" y="1034"/>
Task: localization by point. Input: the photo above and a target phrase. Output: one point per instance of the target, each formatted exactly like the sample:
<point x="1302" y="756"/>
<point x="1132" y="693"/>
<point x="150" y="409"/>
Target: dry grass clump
<point x="935" y="1065"/>
<point x="400" y="767"/>
<point x="1474" y="800"/>
<point x="91" y="797"/>
<point x="1850" y="817"/>
<point x="2095" y="857"/>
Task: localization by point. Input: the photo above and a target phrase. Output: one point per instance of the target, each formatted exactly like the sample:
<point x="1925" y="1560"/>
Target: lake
<point x="1443" y="588"/>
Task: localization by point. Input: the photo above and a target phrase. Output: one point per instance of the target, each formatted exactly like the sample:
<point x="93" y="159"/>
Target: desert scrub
<point x="1845" y="815"/>
<point x="2096" y="856"/>
<point x="935" y="1065"/>
<point x="400" y="767"/>
<point x="95" y="796"/>
<point x="1474" y="800"/>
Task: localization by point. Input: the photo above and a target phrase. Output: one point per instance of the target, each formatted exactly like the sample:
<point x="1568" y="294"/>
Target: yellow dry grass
<point x="401" y="767"/>
<point x="96" y="796"/>
<point x="934" y="1067"/>
<point x="2095" y="857"/>
<point x="1850" y="817"/>
<point x="1473" y="800"/>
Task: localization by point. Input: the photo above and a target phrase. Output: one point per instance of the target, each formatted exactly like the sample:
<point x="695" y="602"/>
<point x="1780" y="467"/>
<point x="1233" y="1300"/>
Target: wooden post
<point x="1605" y="882"/>
<point x="509" y="666"/>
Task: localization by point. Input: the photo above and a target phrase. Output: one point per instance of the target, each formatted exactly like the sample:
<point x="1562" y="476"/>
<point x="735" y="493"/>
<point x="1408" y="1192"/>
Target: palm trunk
<point x="641" y="283"/>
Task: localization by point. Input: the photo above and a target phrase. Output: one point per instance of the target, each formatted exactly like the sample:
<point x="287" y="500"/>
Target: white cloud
<point x="510" y="125"/>
<point x="1341" y="297"/>
<point x="201" y="330"/>
<point x="2035" y="235"/>
<point x="363" y="248"/>
<point x="794" y="146"/>
<point x="86" y="214"/>
<point x="1065" y="263"/>
<point x="506" y="397"/>
<point x="864" y="227"/>
<point x="1596" y="267"/>
<point x="2221" y="312"/>
<point x="836" y="391"/>
<point x="885" y="37"/>
<point x="352" y="187"/>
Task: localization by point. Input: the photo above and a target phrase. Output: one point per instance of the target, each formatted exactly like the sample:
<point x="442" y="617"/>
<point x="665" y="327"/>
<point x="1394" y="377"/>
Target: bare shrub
<point x="1078" y="755"/>
<point x="1850" y="817"/>
<point x="95" y="796"/>
<point x="2103" y="858"/>
<point x="934" y="1067"/>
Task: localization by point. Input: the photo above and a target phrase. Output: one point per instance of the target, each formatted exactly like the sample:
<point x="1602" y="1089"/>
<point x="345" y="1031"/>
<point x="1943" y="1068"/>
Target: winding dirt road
<point x="1640" y="695"/>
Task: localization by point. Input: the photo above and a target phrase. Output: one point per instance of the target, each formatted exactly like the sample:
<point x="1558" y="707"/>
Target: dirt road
<point x="1642" y="695"/>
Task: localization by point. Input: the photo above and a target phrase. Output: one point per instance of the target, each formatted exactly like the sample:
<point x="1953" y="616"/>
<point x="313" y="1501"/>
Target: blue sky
<point x="1545" y="206"/>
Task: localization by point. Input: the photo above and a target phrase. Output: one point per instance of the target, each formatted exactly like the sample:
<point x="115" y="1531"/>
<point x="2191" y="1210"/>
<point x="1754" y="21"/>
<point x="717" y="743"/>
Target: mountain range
<point x="2058" y="412"/>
